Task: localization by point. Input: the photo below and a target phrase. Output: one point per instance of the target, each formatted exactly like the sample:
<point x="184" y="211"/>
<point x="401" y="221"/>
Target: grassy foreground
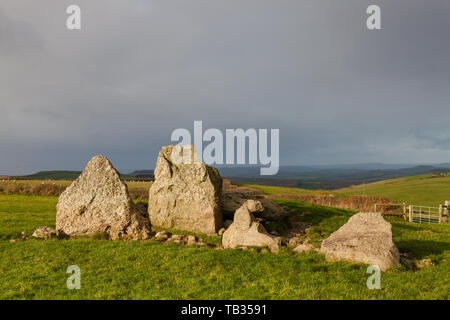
<point x="36" y="269"/>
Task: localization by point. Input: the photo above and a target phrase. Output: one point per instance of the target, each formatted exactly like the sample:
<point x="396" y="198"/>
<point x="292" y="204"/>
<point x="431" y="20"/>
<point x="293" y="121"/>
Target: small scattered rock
<point x="162" y="236"/>
<point x="178" y="237"/>
<point x="303" y="248"/>
<point x="191" y="240"/>
<point x="294" y="242"/>
<point x="274" y="248"/>
<point x="44" y="233"/>
<point x="201" y="244"/>
<point x="12" y="240"/>
<point x="221" y="231"/>
<point x="425" y="263"/>
<point x="264" y="250"/>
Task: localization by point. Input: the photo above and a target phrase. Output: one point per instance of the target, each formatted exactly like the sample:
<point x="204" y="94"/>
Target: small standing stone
<point x="246" y="231"/>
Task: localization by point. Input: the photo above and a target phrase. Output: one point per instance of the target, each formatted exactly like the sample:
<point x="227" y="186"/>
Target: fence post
<point x="410" y="213"/>
<point x="440" y="213"/>
<point x="404" y="211"/>
<point x="446" y="213"/>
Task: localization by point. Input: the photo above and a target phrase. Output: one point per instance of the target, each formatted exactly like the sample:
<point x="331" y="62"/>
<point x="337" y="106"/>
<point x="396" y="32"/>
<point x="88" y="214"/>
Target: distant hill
<point x="53" y="175"/>
<point x="323" y="178"/>
<point x="143" y="174"/>
<point x="318" y="177"/>
<point x="426" y="189"/>
<point x="59" y="175"/>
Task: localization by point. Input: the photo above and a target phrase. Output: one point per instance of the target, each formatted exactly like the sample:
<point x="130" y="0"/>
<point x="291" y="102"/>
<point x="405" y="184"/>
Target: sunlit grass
<point x="36" y="269"/>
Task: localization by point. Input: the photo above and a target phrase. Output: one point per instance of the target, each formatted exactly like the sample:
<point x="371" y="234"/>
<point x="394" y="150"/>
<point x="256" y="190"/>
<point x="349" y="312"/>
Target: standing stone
<point x="98" y="202"/>
<point x="365" y="238"/>
<point x="185" y="194"/>
<point x="246" y="231"/>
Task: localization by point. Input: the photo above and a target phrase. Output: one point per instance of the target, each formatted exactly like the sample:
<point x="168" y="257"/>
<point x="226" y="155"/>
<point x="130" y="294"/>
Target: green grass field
<point x="427" y="190"/>
<point x="36" y="269"/>
<point x="137" y="190"/>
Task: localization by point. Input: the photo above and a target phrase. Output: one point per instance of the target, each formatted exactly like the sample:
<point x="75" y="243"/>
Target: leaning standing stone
<point x="98" y="202"/>
<point x="365" y="238"/>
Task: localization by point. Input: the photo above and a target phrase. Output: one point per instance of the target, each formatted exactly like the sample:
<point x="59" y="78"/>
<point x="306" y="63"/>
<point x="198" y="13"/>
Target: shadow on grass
<point x="322" y="220"/>
<point x="422" y="248"/>
<point x="313" y="213"/>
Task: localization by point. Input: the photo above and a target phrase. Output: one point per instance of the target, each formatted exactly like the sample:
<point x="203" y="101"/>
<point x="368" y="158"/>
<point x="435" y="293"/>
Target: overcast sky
<point x="137" y="70"/>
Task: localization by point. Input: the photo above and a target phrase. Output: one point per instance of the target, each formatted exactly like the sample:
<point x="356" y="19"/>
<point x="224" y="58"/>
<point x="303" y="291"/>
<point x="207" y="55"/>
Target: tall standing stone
<point x="98" y="202"/>
<point x="185" y="194"/>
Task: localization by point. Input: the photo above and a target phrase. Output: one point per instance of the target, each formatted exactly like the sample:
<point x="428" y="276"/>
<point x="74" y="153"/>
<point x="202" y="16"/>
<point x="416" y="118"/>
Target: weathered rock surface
<point x="185" y="196"/>
<point x="44" y="232"/>
<point x="98" y="202"/>
<point x="365" y="238"/>
<point x="246" y="231"/>
<point x="233" y="199"/>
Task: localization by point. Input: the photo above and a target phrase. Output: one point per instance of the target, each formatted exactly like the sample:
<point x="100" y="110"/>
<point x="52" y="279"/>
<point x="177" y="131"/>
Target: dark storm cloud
<point x="139" y="69"/>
